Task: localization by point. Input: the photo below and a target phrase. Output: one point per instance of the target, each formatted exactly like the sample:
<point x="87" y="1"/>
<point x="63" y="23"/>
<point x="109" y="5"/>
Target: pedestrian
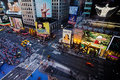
<point x="31" y="75"/>
<point x="3" y="72"/>
<point x="71" y="74"/>
<point x="48" y="57"/>
<point x="51" y="72"/>
<point x="53" y="62"/>
<point x="39" y="78"/>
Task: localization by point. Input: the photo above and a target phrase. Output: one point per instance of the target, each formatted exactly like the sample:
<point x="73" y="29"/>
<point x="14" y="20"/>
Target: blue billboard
<point x="72" y="18"/>
<point x="43" y="8"/>
<point x="73" y="10"/>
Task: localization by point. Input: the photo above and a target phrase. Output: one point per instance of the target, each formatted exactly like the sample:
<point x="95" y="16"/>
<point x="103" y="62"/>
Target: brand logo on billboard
<point x="48" y="13"/>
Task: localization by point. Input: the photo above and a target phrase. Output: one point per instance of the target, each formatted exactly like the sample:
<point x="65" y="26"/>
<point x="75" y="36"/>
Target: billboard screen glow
<point x="43" y="8"/>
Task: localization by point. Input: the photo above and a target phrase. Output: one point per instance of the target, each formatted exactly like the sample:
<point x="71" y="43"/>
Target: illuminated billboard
<point x="4" y="19"/>
<point x="106" y="9"/>
<point x="43" y="28"/>
<point x="43" y="8"/>
<point x="96" y="40"/>
<point x="72" y="19"/>
<point x="16" y="23"/>
<point x="77" y="36"/>
<point x="67" y="36"/>
<point x="2" y="7"/>
<point x="73" y="10"/>
<point x="13" y="7"/>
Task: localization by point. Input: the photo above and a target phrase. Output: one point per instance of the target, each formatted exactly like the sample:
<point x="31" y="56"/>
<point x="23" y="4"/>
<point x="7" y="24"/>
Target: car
<point x="89" y="64"/>
<point x="1" y="29"/>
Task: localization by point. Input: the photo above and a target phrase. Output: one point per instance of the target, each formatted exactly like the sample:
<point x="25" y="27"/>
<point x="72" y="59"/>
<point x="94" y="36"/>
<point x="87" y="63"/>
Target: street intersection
<point x="73" y="63"/>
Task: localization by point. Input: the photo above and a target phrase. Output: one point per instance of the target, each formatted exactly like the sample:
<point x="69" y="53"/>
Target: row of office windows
<point x="26" y="0"/>
<point x="26" y="4"/>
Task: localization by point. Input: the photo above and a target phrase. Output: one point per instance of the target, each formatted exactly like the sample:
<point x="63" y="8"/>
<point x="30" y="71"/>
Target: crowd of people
<point x="11" y="52"/>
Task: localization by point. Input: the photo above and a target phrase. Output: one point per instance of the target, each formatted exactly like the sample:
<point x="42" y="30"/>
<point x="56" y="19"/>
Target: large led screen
<point x="43" y="8"/>
<point x="16" y="23"/>
<point x="13" y="7"/>
<point x="73" y="10"/>
<point x="43" y="28"/>
<point x="77" y="35"/>
<point x="106" y="8"/>
<point x="2" y="7"/>
<point x="72" y="19"/>
<point x="67" y="36"/>
<point x="96" y="40"/>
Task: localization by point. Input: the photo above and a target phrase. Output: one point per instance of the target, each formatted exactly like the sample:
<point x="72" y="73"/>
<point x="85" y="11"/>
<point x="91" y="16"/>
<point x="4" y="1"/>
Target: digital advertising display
<point x="43" y="28"/>
<point x="16" y="23"/>
<point x="13" y="7"/>
<point x="106" y="9"/>
<point x="72" y="19"/>
<point x="97" y="40"/>
<point x="4" y="19"/>
<point x="77" y="35"/>
<point x="73" y="10"/>
<point x="2" y="7"/>
<point x="43" y="8"/>
<point x="67" y="36"/>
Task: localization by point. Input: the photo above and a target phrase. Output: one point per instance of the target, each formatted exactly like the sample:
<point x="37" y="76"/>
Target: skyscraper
<point x="60" y="10"/>
<point x="28" y="12"/>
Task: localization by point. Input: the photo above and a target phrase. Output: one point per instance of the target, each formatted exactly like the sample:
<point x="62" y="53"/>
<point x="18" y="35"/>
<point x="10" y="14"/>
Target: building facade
<point x="28" y="12"/>
<point x="60" y="10"/>
<point x="54" y="26"/>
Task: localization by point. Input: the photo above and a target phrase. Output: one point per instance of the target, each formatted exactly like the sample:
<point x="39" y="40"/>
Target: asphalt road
<point x="74" y="63"/>
<point x="77" y="64"/>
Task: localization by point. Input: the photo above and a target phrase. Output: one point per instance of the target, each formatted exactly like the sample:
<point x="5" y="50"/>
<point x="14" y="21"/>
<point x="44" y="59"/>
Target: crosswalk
<point x="27" y="67"/>
<point x="31" y="63"/>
